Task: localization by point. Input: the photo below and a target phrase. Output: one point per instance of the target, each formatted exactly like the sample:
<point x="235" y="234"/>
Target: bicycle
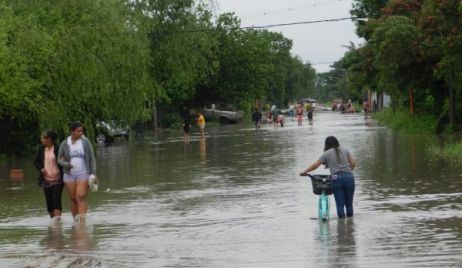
<point x="322" y="186"/>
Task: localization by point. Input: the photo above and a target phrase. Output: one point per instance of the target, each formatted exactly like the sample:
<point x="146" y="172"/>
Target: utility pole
<point x="154" y="113"/>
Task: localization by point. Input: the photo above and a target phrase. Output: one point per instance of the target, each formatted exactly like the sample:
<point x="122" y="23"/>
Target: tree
<point x="181" y="48"/>
<point x="396" y="45"/>
<point x="66" y="61"/>
<point x="441" y="23"/>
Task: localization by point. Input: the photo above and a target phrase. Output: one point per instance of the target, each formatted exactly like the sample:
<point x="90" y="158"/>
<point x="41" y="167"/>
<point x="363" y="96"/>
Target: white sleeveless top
<point x="77" y="155"/>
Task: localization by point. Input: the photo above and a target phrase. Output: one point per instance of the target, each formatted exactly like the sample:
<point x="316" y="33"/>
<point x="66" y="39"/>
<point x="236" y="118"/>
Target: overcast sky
<point x="316" y="43"/>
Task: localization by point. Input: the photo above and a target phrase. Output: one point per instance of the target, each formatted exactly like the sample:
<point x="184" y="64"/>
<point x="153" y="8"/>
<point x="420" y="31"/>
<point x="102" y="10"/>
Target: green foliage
<point x="451" y="152"/>
<point x="251" y="65"/>
<point x="367" y="9"/>
<point x="171" y="120"/>
<point x="394" y="43"/>
<point x="403" y="121"/>
<point x="66" y="61"/>
<point x="412" y="46"/>
<point x="181" y="48"/>
<point x="90" y="60"/>
<point x="336" y="84"/>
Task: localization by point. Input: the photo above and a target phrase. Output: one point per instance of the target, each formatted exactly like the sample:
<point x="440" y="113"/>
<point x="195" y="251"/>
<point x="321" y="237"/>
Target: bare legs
<point x="202" y="131"/>
<point x="78" y="193"/>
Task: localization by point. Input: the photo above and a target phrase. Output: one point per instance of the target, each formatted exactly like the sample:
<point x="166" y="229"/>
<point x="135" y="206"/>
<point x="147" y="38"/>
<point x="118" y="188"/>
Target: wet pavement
<point x="234" y="199"/>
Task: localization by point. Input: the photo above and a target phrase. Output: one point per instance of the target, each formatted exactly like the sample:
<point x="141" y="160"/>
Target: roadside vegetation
<point x="411" y="53"/>
<point x="448" y="147"/>
<point x="402" y="120"/>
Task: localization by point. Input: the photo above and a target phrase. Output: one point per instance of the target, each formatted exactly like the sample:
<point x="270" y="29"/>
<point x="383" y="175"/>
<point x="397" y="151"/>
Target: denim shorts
<point x="75" y="177"/>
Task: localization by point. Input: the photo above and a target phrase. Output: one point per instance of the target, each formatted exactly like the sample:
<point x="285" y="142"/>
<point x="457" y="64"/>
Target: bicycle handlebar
<point x="317" y="176"/>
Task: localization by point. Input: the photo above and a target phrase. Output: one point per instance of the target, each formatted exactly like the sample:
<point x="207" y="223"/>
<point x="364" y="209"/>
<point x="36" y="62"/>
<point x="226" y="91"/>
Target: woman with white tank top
<point x="77" y="158"/>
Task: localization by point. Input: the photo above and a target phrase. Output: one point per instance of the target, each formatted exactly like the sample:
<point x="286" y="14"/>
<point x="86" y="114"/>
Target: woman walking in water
<point x="299" y="112"/>
<point x="77" y="158"/>
<point x="341" y="164"/>
<point x="50" y="174"/>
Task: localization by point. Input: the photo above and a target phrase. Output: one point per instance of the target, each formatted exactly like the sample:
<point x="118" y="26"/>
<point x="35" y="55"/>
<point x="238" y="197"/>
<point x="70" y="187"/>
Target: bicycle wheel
<point x="323" y="207"/>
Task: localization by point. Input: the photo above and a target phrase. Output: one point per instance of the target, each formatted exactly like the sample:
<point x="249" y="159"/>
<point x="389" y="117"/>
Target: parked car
<point x="224" y="115"/>
<point x="107" y="131"/>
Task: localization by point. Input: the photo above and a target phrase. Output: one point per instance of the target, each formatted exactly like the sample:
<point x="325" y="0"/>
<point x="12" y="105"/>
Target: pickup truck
<point x="223" y="115"/>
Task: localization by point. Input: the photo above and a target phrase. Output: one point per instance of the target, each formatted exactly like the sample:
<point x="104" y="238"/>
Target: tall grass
<point x="403" y="121"/>
<point x="452" y="152"/>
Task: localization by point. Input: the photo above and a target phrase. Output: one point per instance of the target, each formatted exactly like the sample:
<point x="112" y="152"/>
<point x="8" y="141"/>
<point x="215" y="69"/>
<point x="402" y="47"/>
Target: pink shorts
<point x="75" y="177"/>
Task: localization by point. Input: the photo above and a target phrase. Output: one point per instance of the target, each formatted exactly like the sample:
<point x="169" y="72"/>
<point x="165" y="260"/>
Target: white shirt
<point x="77" y="157"/>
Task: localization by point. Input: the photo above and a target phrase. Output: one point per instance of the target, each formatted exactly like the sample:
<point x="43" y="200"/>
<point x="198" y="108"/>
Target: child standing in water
<point x="201" y="123"/>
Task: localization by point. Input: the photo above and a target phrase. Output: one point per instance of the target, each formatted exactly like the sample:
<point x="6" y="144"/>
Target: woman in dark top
<point x="50" y="174"/>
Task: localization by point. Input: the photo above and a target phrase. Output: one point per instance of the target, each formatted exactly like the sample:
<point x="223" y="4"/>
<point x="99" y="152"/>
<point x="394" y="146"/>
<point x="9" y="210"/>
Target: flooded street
<point x="234" y="199"/>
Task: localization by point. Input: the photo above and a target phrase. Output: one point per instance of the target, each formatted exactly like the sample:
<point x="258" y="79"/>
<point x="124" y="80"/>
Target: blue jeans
<point x="344" y="188"/>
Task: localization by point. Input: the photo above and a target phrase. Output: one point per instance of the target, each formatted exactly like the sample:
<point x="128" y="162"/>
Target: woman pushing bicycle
<point x="341" y="164"/>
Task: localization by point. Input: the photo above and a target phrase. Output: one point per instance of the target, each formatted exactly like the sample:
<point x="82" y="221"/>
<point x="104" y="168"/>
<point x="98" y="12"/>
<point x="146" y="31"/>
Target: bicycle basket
<point x="321" y="183"/>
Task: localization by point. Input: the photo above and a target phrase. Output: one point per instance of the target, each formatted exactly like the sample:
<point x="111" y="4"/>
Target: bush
<point x="171" y="120"/>
<point x="452" y="152"/>
<point x="402" y="120"/>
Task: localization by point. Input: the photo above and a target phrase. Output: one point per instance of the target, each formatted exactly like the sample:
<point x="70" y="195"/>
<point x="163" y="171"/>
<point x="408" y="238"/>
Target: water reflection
<point x="345" y="253"/>
<point x="203" y="149"/>
<point x="324" y="233"/>
<point x="81" y="238"/>
<point x="54" y="239"/>
<point x="247" y="207"/>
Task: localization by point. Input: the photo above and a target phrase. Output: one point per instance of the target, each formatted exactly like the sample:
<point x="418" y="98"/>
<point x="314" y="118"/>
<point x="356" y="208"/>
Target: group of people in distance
<point x="300" y="108"/>
<point x="70" y="165"/>
<point x="274" y="115"/>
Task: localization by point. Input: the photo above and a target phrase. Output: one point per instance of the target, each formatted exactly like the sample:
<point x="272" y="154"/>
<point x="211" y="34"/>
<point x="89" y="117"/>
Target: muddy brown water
<point x="234" y="199"/>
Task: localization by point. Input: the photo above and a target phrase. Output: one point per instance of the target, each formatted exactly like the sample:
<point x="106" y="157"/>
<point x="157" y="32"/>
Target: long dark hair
<point x="50" y="135"/>
<point x="332" y="142"/>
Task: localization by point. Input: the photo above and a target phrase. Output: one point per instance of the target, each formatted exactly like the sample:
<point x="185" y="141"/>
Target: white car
<point x="108" y="131"/>
<point x="224" y="115"/>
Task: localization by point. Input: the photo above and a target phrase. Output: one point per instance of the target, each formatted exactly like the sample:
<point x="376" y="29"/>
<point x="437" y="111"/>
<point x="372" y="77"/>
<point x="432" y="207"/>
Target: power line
<point x="322" y="63"/>
<point x="297" y="23"/>
<point x="290" y="9"/>
<point x="274" y="25"/>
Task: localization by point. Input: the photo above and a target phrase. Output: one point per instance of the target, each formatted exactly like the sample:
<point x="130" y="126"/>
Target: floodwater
<point x="234" y="199"/>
